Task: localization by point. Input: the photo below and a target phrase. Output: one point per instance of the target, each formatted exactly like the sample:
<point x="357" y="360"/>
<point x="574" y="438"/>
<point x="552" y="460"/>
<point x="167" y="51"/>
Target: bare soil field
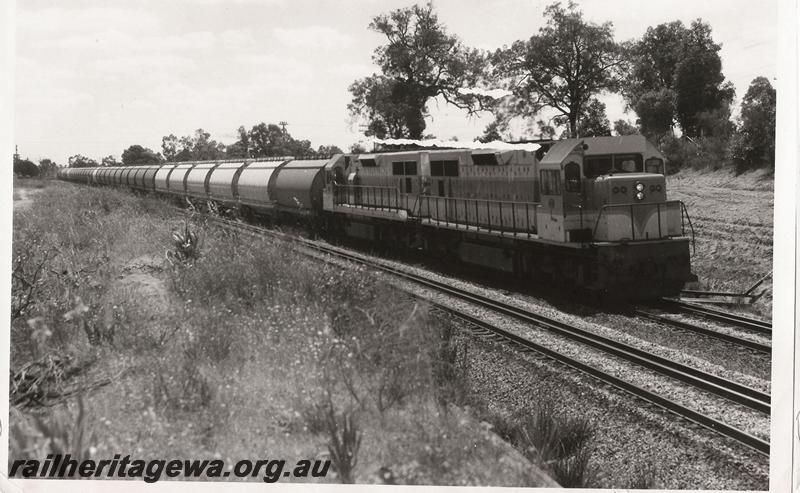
<point x="733" y="222"/>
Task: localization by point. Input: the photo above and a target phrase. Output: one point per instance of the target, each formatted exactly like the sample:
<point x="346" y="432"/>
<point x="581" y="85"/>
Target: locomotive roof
<point x="436" y="144"/>
<point x="594" y="146"/>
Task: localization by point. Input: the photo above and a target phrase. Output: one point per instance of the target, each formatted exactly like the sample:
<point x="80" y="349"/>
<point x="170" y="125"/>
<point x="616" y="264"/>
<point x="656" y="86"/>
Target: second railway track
<point x="732" y="319"/>
<point x="690" y="327"/>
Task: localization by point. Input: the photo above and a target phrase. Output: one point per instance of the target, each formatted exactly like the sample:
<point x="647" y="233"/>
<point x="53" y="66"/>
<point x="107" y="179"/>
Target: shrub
<point x="559" y="442"/>
<point x="62" y="433"/>
<point x="186" y="246"/>
<point x="27" y="274"/>
<point x="343" y="437"/>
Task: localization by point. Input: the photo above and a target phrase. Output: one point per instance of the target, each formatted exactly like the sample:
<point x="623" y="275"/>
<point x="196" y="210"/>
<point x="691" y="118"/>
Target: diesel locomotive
<point x="589" y="213"/>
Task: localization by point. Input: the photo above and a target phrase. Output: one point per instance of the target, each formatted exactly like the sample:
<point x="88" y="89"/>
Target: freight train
<point x="589" y="214"/>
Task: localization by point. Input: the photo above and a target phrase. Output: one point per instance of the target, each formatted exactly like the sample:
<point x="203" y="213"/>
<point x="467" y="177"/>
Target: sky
<point x="95" y="77"/>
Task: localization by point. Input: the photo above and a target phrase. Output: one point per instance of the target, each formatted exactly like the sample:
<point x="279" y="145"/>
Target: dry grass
<point x="732" y="217"/>
<point x="227" y="350"/>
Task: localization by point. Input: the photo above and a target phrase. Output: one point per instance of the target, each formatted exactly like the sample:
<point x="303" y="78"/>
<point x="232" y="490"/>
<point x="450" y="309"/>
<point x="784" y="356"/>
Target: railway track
<point x="732" y="391"/>
<point x="759" y="326"/>
<point x="679" y="324"/>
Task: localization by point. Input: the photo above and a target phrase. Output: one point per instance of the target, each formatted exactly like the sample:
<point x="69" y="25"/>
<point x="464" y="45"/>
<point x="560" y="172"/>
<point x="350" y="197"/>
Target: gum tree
<point x="562" y="67"/>
<point x="419" y="61"/>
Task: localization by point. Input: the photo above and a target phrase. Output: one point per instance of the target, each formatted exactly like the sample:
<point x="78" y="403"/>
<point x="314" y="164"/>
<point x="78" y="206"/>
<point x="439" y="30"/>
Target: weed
<point x="181" y="385"/>
<point x="643" y="477"/>
<point x="449" y="360"/>
<point x="344" y="439"/>
<point x="62" y="433"/>
<point x="186" y="246"/>
<point x="558" y="442"/>
<point x="26" y="276"/>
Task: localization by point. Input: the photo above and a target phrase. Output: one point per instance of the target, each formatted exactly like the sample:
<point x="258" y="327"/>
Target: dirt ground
<point x="23" y="197"/>
<point x="733" y="223"/>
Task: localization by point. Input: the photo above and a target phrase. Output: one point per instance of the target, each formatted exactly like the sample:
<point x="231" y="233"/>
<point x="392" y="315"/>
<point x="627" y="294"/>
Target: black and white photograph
<point x="507" y="243"/>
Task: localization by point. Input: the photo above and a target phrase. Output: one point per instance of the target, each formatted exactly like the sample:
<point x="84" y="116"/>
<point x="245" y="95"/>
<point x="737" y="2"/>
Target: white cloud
<point x="353" y="70"/>
<point x="29" y="71"/>
<point x="112" y="40"/>
<point x="37" y="99"/>
<point x="106" y="40"/>
<point x="313" y="37"/>
<point x="240" y="37"/>
<point x="492" y="93"/>
<point x="59" y="19"/>
<point x="139" y="65"/>
<point x="286" y="71"/>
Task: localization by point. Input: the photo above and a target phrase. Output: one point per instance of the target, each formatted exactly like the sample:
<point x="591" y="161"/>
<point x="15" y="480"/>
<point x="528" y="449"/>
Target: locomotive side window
<point x="484" y="159"/>
<point x="595" y="166"/>
<point x="400" y="168"/>
<point x="654" y="165"/>
<point x="444" y="168"/>
<point x="368" y="163"/>
<point x="572" y="178"/>
<point x="550" y="182"/>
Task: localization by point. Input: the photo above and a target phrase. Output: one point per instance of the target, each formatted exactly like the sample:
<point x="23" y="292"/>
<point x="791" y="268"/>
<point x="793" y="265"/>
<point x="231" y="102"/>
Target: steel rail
<point x="691" y="415"/>
<point x="757" y="346"/>
<point x="760" y="326"/>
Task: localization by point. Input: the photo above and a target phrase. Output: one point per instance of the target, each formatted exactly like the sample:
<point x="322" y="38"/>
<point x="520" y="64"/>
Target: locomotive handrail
<point x="685" y="212"/>
<point x="376" y="196"/>
<point x="467" y="203"/>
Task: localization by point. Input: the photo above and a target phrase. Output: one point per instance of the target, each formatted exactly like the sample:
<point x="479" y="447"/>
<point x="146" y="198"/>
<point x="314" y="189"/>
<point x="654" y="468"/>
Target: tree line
<point x="262" y="140"/>
<point x="671" y="78"/>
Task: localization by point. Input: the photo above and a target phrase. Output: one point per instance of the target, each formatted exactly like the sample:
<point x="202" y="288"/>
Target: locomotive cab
<point x="605" y="189"/>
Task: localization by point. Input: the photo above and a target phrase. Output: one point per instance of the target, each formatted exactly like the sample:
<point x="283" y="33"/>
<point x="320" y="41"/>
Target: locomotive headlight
<point x="639" y="195"/>
<point x="639" y="187"/>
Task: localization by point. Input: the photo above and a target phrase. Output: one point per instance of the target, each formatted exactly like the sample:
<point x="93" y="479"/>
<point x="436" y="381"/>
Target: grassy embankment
<point x="732" y="217"/>
<point x="239" y="348"/>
